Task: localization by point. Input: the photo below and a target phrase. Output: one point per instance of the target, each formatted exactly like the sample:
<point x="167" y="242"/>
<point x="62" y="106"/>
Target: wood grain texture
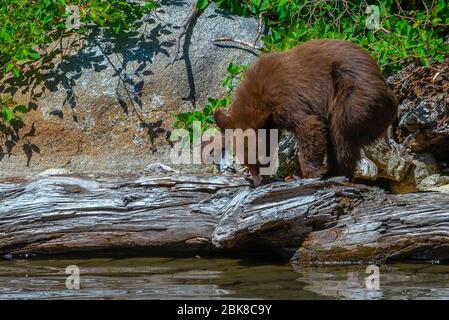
<point x="65" y="214"/>
<point x="319" y="220"/>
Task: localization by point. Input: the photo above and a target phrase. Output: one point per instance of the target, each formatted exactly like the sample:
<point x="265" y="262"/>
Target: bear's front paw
<point x="259" y="180"/>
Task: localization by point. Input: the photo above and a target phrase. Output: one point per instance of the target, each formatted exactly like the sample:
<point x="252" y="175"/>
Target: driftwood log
<point x="316" y="221"/>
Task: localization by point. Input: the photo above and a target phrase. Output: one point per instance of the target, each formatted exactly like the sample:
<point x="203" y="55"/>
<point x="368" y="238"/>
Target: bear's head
<point x="247" y="142"/>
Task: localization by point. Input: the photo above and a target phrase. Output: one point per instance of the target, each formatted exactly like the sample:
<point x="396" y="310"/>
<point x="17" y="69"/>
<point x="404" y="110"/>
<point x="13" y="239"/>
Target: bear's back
<point x="322" y="56"/>
<point x="309" y="77"/>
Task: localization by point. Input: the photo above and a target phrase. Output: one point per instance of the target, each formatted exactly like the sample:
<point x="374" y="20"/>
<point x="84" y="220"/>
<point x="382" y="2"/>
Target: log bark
<point x="318" y="221"/>
<point x="60" y="214"/>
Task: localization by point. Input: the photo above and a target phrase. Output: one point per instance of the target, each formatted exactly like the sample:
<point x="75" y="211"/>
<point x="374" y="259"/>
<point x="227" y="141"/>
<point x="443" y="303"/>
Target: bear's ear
<point x="222" y="120"/>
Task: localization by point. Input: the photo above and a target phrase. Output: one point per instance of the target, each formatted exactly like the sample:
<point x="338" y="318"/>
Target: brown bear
<point x="329" y="93"/>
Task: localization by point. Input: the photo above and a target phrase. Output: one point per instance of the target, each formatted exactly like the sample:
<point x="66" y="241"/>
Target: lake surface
<point x="203" y="278"/>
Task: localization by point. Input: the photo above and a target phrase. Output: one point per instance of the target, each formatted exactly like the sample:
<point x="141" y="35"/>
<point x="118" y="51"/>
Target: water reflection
<point x="399" y="281"/>
<point x="169" y="278"/>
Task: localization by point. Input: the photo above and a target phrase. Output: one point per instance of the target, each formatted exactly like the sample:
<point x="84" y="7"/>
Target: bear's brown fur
<point x="330" y="93"/>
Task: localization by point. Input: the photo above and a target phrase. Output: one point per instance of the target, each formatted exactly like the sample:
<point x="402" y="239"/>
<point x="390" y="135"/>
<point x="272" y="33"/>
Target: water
<point x="201" y="278"/>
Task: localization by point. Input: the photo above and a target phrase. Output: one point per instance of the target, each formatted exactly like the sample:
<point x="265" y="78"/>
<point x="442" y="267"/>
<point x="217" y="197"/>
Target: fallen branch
<point x="253" y="45"/>
<point x="240" y="42"/>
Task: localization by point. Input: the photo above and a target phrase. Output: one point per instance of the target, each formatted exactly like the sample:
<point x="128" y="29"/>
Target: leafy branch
<point x="28" y="27"/>
<point x="11" y="112"/>
<point x="185" y="120"/>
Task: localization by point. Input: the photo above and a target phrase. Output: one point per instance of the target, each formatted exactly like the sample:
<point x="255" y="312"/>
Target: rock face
<point x="390" y="159"/>
<point x="422" y="166"/>
<point x="108" y="103"/>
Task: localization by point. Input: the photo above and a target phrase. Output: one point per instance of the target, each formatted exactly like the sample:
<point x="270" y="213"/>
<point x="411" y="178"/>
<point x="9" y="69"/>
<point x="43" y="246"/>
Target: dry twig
<point x="241" y="42"/>
<point x="184" y="27"/>
<point x="252" y="45"/>
<point x="259" y="28"/>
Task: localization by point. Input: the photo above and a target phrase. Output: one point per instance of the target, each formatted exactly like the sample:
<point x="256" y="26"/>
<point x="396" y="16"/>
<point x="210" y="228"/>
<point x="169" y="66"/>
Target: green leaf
<point x="81" y="30"/>
<point x="16" y="72"/>
<point x="47" y="19"/>
<point x="150" y="5"/>
<point x="117" y="28"/>
<point x="202" y="4"/>
<point x="34" y="55"/>
<point x="7" y="115"/>
<point x="8" y="67"/>
<point x="232" y="68"/>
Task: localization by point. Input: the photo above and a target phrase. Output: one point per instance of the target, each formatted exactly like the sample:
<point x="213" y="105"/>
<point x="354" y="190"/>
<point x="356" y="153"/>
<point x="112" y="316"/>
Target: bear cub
<point x="329" y="93"/>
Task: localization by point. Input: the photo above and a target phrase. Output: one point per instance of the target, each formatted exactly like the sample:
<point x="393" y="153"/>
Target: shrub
<point x="27" y="26"/>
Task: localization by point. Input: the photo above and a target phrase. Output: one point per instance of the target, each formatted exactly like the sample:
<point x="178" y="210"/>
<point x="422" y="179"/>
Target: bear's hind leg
<point x="312" y="134"/>
<point x="343" y="157"/>
<point x="357" y="123"/>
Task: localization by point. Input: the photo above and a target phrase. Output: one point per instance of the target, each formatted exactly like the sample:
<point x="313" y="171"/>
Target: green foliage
<point x="202" y="4"/>
<point x="27" y="26"/>
<point x="412" y="29"/>
<point x="11" y="112"/>
<point x="185" y="120"/>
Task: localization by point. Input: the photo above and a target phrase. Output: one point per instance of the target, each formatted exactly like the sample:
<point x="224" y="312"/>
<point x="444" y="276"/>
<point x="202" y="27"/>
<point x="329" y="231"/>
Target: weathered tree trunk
<point x="320" y="221"/>
<point x="70" y="214"/>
